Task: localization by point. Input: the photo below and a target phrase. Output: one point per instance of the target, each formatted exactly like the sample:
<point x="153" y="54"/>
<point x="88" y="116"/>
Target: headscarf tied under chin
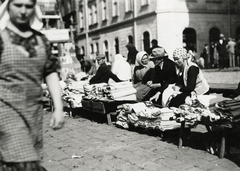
<point x="35" y="21"/>
<point x="180" y="53"/>
<point x="139" y="58"/>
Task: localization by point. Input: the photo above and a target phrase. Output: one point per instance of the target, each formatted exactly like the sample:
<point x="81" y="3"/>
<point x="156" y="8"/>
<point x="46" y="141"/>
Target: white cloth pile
<point x="113" y="91"/>
<point x="73" y="93"/>
<point x="144" y="114"/>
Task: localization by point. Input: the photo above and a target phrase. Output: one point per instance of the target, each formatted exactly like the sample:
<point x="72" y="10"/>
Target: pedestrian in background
<point x="154" y="43"/>
<point x="131" y="55"/>
<point x="26" y="60"/>
<point x="231" y="52"/>
<point x="87" y="64"/>
<point x="221" y="47"/>
<point x="121" y="68"/>
<point x="204" y="55"/>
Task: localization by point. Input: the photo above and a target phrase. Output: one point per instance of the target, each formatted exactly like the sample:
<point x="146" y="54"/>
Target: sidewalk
<point x="99" y="147"/>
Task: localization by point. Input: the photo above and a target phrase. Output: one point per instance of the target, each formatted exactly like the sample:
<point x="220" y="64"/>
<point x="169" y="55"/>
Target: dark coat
<point x="103" y="74"/>
<point x="167" y="75"/>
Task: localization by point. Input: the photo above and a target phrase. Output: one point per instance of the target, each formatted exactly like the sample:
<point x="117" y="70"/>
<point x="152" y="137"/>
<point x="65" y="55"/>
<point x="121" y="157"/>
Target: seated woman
<point x="190" y="81"/>
<point x="142" y="65"/>
<point x="121" y="68"/>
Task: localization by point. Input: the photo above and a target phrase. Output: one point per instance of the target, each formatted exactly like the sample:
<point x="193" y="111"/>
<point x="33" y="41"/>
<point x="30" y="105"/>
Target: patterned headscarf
<point x="36" y="22"/>
<point x="180" y="53"/>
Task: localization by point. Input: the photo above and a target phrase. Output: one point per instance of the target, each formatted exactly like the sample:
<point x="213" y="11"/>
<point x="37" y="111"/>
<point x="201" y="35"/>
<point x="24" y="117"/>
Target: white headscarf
<point x="35" y="22"/>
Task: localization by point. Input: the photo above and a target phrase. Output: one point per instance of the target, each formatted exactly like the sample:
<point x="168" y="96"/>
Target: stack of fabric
<point x="228" y="110"/>
<point x="146" y="115"/>
<point x="194" y="113"/>
<point x="114" y="91"/>
<point x="73" y="93"/>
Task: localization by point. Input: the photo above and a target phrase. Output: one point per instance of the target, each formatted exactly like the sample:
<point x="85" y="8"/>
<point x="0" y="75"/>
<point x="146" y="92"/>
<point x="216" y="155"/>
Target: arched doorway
<point x="146" y="41"/>
<point x="214" y="34"/>
<point x="237" y="34"/>
<point x="189" y="39"/>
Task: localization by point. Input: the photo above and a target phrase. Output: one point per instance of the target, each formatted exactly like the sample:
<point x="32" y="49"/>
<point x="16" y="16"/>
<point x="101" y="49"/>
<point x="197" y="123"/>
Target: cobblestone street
<point x="87" y="143"/>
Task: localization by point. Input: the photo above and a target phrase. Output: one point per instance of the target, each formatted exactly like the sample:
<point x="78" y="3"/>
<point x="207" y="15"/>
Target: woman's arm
<point x="191" y="80"/>
<point x="54" y="88"/>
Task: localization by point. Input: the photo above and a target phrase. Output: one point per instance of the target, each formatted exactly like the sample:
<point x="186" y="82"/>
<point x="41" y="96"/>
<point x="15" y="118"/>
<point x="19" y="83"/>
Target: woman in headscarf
<point x="121" y="68"/>
<point x="191" y="81"/>
<point x="25" y="60"/>
<point x="142" y="66"/>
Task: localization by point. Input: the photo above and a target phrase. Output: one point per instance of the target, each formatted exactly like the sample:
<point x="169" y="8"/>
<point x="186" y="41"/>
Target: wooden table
<point x="107" y="107"/>
<point x="225" y="127"/>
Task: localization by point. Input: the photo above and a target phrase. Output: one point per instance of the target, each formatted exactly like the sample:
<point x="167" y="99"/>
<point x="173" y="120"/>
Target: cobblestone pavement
<point x="87" y="143"/>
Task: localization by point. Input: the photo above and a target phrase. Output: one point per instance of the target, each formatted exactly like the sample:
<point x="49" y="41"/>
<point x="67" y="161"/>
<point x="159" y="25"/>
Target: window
<point x="94" y="14"/>
<point x="90" y="20"/>
<point x="81" y="19"/>
<point x="105" y="50"/>
<point x="92" y="49"/>
<point x="128" y="5"/>
<point x="96" y="48"/>
<point x="146" y="41"/>
<point x="115" y="8"/>
<point x="116" y="46"/>
<point x="104" y="10"/>
<point x="144" y="2"/>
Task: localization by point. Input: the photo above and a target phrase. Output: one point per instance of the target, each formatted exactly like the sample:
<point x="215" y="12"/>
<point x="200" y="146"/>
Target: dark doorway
<point x="214" y="34"/>
<point x="189" y="39"/>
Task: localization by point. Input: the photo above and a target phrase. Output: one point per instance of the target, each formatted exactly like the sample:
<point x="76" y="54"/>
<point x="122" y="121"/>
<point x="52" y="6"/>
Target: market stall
<point x="104" y="98"/>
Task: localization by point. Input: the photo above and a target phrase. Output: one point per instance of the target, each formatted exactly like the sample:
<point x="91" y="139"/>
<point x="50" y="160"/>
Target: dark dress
<point x="103" y="75"/>
<point x="24" y="63"/>
<point x="186" y="90"/>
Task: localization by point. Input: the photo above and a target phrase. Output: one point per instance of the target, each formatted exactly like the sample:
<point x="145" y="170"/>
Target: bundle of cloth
<point x="228" y="110"/>
<point x="194" y="113"/>
<point x="145" y="115"/>
<point x="112" y="91"/>
<point x="73" y="93"/>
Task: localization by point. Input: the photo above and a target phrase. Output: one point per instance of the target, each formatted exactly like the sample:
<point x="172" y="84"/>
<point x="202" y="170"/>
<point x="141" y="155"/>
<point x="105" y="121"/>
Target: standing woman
<point x="190" y="78"/>
<point x="142" y="66"/>
<point x="25" y="60"/>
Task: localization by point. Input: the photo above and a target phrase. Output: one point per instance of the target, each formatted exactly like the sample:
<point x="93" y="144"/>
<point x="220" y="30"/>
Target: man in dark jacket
<point x="158" y="78"/>
<point x="103" y="73"/>
<point x="223" y="53"/>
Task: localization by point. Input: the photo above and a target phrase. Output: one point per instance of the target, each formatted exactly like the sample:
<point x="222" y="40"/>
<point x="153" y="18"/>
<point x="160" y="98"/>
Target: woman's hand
<point x="176" y="88"/>
<point x="149" y="83"/>
<point x="57" y="120"/>
<point x="155" y="97"/>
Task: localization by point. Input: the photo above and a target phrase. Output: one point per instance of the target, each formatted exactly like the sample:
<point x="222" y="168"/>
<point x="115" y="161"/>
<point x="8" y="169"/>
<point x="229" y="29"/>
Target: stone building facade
<point x="106" y="26"/>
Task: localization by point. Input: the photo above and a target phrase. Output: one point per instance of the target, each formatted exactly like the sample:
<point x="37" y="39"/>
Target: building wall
<point x="165" y="20"/>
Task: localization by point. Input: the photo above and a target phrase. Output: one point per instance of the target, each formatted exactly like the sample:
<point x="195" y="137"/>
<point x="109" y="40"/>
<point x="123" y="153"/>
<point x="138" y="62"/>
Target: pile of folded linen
<point x="114" y="91"/>
<point x="73" y="93"/>
<point x="146" y="115"/>
<point x="191" y="114"/>
<point x="228" y="110"/>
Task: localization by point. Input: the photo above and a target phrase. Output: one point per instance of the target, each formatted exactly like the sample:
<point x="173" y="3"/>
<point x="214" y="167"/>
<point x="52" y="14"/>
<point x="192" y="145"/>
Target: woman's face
<point x="178" y="61"/>
<point x="21" y="11"/>
<point x="144" y="60"/>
